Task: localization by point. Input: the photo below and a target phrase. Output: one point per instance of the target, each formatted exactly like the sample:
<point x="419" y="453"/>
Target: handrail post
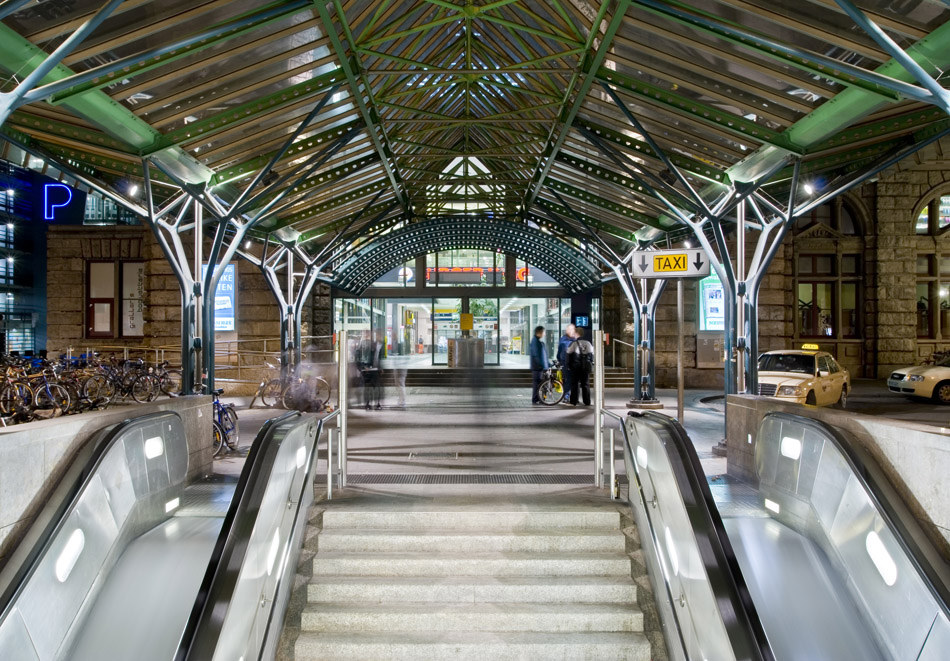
<point x="342" y="401"/>
<point x="598" y="408"/>
<point x="330" y="464"/>
<point x="613" y="469"/>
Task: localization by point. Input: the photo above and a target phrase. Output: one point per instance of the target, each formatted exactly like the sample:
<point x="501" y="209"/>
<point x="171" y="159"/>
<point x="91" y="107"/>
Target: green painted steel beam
<point x="246" y="112"/>
<point x="595" y="223"/>
<point x="68" y="131"/>
<point x="932" y="52"/>
<point x="317" y="209"/>
<point x="696" y="167"/>
<point x="881" y="129"/>
<point x="323" y="230"/>
<point x="579" y="86"/>
<point x="736" y="33"/>
<point x="19" y="56"/>
<point x="357" y="85"/>
<point x="241" y="26"/>
<point x="695" y="110"/>
<point x="596" y="200"/>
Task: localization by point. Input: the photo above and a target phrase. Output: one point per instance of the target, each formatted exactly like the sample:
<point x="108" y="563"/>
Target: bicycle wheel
<point x="51" y="397"/>
<point x="270" y="393"/>
<point x="170" y="382"/>
<point x="217" y="438"/>
<point x="551" y="392"/>
<point x="321" y="392"/>
<point x="145" y="388"/>
<point x="15" y="396"/>
<point x="231" y="428"/>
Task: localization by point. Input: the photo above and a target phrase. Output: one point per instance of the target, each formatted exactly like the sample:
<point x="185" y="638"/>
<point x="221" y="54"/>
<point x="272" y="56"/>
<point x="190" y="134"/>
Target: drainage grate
<point x="468" y="478"/>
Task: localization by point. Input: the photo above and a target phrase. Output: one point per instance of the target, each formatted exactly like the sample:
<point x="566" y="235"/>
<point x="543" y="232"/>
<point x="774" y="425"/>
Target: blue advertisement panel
<point x="224" y="298"/>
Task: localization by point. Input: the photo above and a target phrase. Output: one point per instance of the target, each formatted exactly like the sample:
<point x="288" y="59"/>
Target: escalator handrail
<point x="221" y="575"/>
<point x="920" y="550"/>
<point x="52" y="516"/>
<point x="719" y="558"/>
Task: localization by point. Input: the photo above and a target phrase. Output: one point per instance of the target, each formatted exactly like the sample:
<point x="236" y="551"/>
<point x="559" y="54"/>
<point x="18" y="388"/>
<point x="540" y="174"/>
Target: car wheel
<point x="810" y="398"/>
<point x="942" y="392"/>
<point x="843" y="400"/>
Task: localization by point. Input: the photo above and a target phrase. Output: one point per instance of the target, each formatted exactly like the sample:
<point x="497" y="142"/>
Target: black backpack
<point x="579" y="361"/>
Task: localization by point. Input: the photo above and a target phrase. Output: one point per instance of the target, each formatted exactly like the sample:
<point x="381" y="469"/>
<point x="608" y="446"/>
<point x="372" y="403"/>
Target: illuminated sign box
<point x="54" y="202"/>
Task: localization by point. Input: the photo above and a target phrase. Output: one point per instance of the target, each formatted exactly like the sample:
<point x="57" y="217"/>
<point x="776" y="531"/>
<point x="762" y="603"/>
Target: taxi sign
<point x="810" y="347"/>
<point x="670" y="264"/>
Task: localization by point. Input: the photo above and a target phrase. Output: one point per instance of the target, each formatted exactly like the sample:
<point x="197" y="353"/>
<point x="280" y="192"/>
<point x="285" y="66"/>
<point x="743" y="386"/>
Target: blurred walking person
<point x="538" y="354"/>
<point x="570" y="334"/>
<point x="580" y="360"/>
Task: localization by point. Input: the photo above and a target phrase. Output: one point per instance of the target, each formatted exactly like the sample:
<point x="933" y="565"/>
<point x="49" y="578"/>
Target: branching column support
<point x="168" y="235"/>
<point x="643" y="303"/>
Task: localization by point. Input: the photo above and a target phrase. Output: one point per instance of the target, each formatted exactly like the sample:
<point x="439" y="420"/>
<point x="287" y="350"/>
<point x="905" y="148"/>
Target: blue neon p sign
<point x="55" y="196"/>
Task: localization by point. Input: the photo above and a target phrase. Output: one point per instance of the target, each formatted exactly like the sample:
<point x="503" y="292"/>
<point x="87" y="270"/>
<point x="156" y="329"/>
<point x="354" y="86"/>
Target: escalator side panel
<point x="809" y="485"/>
<point x="130" y="484"/>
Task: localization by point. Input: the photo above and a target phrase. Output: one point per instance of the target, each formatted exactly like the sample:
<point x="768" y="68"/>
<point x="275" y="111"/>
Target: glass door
<point x="446" y="314"/>
<point x="484" y="313"/>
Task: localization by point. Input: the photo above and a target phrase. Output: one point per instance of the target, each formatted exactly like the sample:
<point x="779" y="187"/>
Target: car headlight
<point x="790" y="391"/>
<point x="914" y="378"/>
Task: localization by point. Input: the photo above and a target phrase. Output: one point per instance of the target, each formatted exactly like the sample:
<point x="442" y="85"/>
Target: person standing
<point x="570" y="333"/>
<point x="580" y="359"/>
<point x="538" y="355"/>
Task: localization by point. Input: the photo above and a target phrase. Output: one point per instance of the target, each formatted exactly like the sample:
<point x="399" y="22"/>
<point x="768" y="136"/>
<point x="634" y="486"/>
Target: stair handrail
<point x="723" y="585"/>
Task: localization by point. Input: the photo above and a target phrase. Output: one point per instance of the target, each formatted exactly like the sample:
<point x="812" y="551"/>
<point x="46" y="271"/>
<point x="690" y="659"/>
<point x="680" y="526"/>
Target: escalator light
<point x="172" y="505"/>
<point x="272" y="552"/>
<point x="154" y="447"/>
<point x="771" y="505"/>
<point x="881" y="558"/>
<point x="671" y="551"/>
<point x="301" y="456"/>
<point x="642" y="456"/>
<point x="69" y="555"/>
<point x="791" y="447"/>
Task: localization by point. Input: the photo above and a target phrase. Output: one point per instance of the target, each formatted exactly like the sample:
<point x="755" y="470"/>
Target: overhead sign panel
<point x="670" y="264"/>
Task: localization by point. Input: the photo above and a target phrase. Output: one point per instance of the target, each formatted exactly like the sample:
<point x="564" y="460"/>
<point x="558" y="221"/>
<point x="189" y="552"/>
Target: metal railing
<point x="705" y="607"/>
<point x="613" y="349"/>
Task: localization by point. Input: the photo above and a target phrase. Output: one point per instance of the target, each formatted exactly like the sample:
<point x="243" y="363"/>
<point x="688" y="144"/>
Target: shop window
<point x="465" y="268"/>
<point x="114" y="293"/>
<point x="934" y="218"/>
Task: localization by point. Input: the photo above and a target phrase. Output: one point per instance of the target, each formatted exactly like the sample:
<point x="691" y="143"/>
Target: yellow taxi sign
<point x="671" y="263"/>
<point x="810" y="347"/>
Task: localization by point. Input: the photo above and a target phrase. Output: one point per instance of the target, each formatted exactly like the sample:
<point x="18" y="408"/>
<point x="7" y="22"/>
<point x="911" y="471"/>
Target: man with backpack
<point x="570" y="334"/>
<point x="580" y="361"/>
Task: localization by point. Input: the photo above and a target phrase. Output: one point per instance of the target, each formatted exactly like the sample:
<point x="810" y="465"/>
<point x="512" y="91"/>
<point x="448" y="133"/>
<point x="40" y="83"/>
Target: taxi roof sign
<point x="810" y="347"/>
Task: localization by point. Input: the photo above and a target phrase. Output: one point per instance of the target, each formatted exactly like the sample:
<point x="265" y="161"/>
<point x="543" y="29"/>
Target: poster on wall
<point x="224" y="298"/>
<point x="711" y="304"/>
<point x="133" y="291"/>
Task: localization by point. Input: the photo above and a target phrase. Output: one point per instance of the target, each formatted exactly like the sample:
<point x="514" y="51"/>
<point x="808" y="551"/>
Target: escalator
<point x="820" y="559"/>
<point x="127" y="561"/>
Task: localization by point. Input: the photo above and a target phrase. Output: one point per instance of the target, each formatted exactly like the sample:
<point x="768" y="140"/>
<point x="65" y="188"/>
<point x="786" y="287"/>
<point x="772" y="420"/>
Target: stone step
<point x="470" y="520"/>
<point x="471" y="564"/>
<point x="489" y="589"/>
<point x="455" y="541"/>
<point x="473" y="646"/>
<point x="500" y="617"/>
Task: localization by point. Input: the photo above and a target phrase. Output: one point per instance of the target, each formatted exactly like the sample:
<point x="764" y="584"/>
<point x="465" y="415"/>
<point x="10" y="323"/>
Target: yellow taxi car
<point x="807" y="376"/>
<point x="931" y="381"/>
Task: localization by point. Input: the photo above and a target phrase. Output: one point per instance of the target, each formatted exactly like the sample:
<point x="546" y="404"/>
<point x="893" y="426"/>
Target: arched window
<point x="836" y="215"/>
<point x="934" y="216"/>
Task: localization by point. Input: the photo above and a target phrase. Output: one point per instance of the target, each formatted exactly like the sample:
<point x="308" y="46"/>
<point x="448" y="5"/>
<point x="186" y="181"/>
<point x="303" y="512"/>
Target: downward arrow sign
<point x="698" y="263"/>
<point x="643" y="263"/>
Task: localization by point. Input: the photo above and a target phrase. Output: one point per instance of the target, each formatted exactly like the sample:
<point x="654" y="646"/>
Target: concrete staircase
<point x="454" y="583"/>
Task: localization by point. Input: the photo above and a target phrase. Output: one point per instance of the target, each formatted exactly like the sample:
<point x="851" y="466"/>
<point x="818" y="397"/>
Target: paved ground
<point x="497" y="429"/>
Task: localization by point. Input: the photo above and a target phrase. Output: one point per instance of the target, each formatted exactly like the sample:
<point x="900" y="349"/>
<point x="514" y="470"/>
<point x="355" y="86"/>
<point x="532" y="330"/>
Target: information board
<point x="712" y="306"/>
<point x="225" y="298"/>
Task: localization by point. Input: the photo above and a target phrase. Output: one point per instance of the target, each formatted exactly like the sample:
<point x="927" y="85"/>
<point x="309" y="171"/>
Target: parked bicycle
<point x="224" y="426"/>
<point x="303" y="393"/>
<point x="551" y="390"/>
